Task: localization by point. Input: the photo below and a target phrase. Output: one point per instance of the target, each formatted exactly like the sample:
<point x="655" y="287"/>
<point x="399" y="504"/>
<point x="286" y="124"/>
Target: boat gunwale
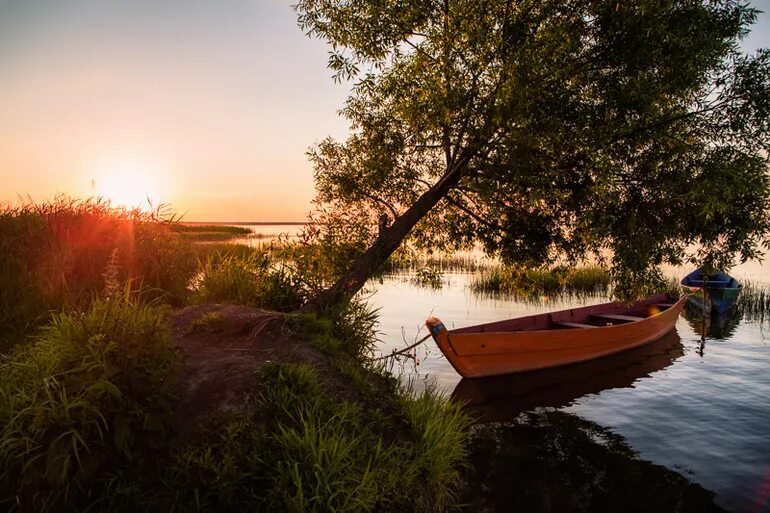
<point x="647" y="302"/>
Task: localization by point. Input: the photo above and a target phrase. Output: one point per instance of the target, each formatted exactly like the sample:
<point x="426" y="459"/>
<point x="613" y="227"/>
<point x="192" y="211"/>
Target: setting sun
<point x="129" y="187"/>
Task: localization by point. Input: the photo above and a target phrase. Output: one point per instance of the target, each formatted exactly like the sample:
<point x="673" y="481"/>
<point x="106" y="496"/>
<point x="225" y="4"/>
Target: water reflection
<point x="704" y="416"/>
<point x="719" y="327"/>
<point x="500" y="398"/>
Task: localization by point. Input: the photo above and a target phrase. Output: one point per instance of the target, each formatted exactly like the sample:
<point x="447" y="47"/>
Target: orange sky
<point x="210" y="109"/>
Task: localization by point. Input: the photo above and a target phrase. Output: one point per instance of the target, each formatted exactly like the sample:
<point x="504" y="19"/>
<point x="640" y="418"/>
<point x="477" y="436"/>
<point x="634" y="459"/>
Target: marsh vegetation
<point x="90" y="377"/>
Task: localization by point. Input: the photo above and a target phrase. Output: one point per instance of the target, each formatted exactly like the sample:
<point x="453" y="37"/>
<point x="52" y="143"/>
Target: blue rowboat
<point x="714" y="293"/>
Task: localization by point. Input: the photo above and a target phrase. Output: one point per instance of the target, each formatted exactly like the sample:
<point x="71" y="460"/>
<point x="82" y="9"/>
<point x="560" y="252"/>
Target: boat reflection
<point x="500" y="398"/>
<point x="720" y="327"/>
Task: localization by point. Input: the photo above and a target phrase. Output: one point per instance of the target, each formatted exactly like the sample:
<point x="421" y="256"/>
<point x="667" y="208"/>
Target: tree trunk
<point x="388" y="241"/>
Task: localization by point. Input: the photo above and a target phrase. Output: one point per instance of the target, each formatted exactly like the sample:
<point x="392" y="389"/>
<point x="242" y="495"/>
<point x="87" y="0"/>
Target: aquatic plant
<point x="754" y="301"/>
<point x="536" y="283"/>
<point x="428" y="277"/>
<point x="413" y="259"/>
<point x="212" y="228"/>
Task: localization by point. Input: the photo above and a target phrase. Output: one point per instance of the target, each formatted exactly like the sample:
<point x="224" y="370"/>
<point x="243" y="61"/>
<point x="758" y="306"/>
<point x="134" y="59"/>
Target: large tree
<point x="633" y="130"/>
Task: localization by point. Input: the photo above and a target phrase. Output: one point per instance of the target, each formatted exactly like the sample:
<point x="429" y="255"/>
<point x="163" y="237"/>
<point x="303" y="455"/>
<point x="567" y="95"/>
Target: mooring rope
<point x="404" y="350"/>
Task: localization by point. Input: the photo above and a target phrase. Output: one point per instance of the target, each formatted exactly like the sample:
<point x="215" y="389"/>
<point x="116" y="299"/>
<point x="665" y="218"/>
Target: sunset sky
<point x="206" y="105"/>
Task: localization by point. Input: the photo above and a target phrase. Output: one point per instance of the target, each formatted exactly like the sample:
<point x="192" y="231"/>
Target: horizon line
<point x="253" y="223"/>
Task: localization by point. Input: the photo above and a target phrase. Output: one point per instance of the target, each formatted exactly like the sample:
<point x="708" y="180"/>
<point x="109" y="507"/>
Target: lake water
<point x="267" y="232"/>
<point x="700" y="406"/>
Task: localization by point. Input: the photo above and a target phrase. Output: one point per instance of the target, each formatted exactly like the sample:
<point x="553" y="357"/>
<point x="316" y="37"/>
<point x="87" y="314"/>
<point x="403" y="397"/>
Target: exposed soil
<point x="220" y="360"/>
<point x="220" y="363"/>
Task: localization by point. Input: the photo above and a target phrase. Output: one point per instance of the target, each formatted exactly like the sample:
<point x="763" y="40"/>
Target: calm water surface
<point x="699" y="406"/>
<point x="267" y="232"/>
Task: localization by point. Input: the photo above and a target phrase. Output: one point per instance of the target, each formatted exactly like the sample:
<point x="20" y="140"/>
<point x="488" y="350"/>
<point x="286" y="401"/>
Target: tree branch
<point x="475" y="216"/>
<point x="381" y="202"/>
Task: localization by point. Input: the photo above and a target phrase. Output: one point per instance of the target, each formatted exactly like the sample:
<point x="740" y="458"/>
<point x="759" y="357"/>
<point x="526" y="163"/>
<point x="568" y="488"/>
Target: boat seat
<point x="713" y="283"/>
<point x="664" y="305"/>
<point x="614" y="317"/>
<point x="575" y="325"/>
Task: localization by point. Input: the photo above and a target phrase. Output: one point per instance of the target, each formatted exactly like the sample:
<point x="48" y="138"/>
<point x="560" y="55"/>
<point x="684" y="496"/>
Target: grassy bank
<point x="99" y="369"/>
<point x="87" y="420"/>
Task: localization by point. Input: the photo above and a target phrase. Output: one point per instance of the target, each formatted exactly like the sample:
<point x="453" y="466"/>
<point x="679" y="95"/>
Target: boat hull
<point x="716" y="296"/>
<point x="481" y="351"/>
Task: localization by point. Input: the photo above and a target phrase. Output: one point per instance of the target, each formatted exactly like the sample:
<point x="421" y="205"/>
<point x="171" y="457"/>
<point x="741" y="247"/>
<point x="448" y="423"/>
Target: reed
<point x="53" y="257"/>
<point x="429" y="277"/>
<point x="754" y="301"/>
<point x="413" y="260"/>
<point x="212" y="228"/>
<point x="550" y="282"/>
<point x="252" y="280"/>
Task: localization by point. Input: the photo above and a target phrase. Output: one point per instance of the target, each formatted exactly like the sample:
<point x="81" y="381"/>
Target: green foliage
<point x="310" y="451"/>
<point x="527" y="282"/>
<point x="249" y="280"/>
<point x="54" y="256"/>
<point x="91" y="393"/>
<point x="632" y="131"/>
<point x="349" y="327"/>
<point x="428" y="277"/>
<point x="320" y="256"/>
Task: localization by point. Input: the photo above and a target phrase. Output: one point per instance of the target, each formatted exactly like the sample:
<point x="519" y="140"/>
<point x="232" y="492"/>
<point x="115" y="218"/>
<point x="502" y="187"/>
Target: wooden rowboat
<point x="715" y="293"/>
<point x="502" y="398"/>
<point x="557" y="338"/>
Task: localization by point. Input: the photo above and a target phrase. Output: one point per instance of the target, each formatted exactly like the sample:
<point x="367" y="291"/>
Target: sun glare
<point x="130" y="188"/>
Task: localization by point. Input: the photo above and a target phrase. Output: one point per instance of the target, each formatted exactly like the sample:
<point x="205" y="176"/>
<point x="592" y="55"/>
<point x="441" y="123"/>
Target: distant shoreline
<point x="245" y="223"/>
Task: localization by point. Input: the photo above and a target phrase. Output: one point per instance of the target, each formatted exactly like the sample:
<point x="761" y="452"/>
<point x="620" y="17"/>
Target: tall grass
<point x="525" y="282"/>
<point x="53" y="257"/>
<point x="251" y="280"/>
<point x="91" y="393"/>
<point x="754" y="301"/>
<point x="350" y="328"/>
<point x="311" y="451"/>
